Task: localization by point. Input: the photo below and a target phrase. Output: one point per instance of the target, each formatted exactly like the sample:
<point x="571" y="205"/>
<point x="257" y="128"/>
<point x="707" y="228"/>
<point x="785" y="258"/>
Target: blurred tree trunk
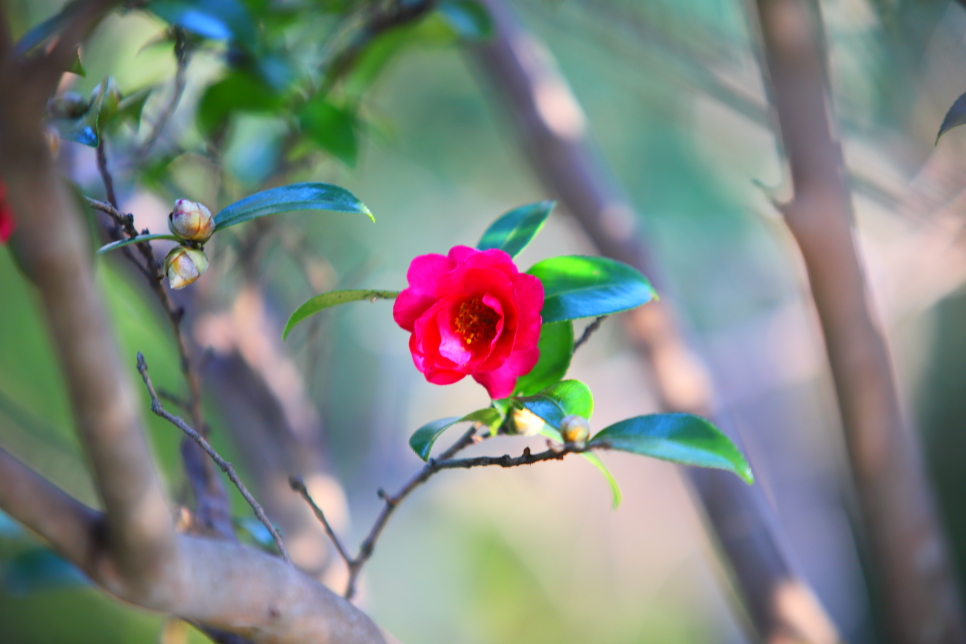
<point x="552" y="131"/>
<point x="912" y="565"/>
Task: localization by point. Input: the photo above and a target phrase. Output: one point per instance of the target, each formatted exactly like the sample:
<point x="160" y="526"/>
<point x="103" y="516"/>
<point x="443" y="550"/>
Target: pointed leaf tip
<point x="333" y="298"/>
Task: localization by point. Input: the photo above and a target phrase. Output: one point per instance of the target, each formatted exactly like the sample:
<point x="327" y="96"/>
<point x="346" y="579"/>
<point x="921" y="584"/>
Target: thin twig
<point x="299" y="486"/>
<point x="183" y="56"/>
<point x="589" y="331"/>
<point x="174" y="399"/>
<point x="445" y="461"/>
<point x="226" y="467"/>
<point x="105" y="173"/>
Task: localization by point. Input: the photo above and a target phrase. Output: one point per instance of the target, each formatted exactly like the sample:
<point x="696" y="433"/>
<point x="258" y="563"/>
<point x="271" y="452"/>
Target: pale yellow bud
<point x="184" y="265"/>
<point x="191" y="220"/>
<point x="526" y="422"/>
<point x="575" y="429"/>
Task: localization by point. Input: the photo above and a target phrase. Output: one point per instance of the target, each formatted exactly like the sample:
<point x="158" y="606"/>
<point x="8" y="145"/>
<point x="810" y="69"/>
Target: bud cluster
<point x="191" y="222"/>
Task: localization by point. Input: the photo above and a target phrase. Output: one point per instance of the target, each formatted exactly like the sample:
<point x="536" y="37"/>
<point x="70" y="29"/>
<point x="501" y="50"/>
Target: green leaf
<point x="132" y="106"/>
<point x="556" y="348"/>
<point x="39" y="569"/>
<point x="297" y="196"/>
<point x="236" y="92"/>
<point x="680" y="438"/>
<point x="954" y="117"/>
<point x="546" y="408"/>
<point x="573" y="396"/>
<point x="423" y="438"/>
<point x="212" y="19"/>
<point x="615" y="489"/>
<point x="513" y="231"/>
<point x="579" y="287"/>
<point x="76" y="66"/>
<point x="468" y="18"/>
<point x="134" y="240"/>
<point x="43" y="31"/>
<point x="84" y="128"/>
<point x="333" y="298"/>
<point x="331" y="128"/>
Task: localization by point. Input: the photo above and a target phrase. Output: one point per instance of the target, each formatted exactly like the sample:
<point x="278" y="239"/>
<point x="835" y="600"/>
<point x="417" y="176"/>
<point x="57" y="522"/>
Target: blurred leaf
<point x="513" y="231"/>
<point x="131" y="106"/>
<point x="10" y="529"/>
<point x="76" y="67"/>
<point x="556" y="348"/>
<point x="39" y="569"/>
<point x="468" y="18"/>
<point x="83" y="129"/>
<point x="256" y="532"/>
<point x="213" y="19"/>
<point x="296" y="196"/>
<point x="954" y="117"/>
<point x="680" y="438"/>
<point x="43" y="31"/>
<point x="134" y="240"/>
<point x="423" y="438"/>
<point x="237" y="92"/>
<point x="333" y="298"/>
<point x="331" y="128"/>
<point x="615" y="489"/>
<point x="578" y="287"/>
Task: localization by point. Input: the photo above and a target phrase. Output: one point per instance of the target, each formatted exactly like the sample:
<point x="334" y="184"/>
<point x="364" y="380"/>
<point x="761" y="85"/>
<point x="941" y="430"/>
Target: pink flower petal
<point x="500" y="382"/>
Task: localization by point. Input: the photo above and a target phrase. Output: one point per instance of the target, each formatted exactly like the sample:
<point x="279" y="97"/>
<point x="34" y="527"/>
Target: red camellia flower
<point x="6" y="215"/>
<point x="471" y="313"/>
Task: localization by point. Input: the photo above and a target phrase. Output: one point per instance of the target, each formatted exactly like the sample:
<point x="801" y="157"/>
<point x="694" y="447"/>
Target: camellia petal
<point x="7" y="222"/>
<point x="471" y="313"/>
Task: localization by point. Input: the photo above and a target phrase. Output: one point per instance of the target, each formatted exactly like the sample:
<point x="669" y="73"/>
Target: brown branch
<point x="912" y="564"/>
<point x="225" y="466"/>
<point x="106" y="177"/>
<point x="557" y="144"/>
<point x="589" y="331"/>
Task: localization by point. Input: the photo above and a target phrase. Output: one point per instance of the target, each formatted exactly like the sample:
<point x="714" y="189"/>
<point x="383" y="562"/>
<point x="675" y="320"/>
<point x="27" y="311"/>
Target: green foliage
<point x="513" y="231"/>
<point x="332" y="128"/>
<point x="333" y="298"/>
<point x="424" y="438"/>
<point x="556" y="349"/>
<point x="236" y="92"/>
<point x="579" y="287"/>
<point x="121" y="243"/>
<point x="297" y="196"/>
<point x="566" y="398"/>
<point x="214" y="19"/>
<point x="615" y="488"/>
<point x="468" y="18"/>
<point x="680" y="438"/>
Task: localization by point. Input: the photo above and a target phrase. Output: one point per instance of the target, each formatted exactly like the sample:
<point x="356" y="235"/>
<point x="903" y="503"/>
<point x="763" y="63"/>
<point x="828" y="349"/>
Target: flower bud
<point x="575" y="429"/>
<point x="191" y="220"/>
<point x="69" y="105"/>
<point x="184" y="265"/>
<point x="526" y="422"/>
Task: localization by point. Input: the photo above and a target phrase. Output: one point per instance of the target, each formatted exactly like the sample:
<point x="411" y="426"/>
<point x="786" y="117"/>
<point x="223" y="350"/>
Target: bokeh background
<point x="673" y="96"/>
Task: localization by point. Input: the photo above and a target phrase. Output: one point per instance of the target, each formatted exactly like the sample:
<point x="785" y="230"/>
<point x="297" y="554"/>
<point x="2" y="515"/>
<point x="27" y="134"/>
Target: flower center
<point x="475" y="321"/>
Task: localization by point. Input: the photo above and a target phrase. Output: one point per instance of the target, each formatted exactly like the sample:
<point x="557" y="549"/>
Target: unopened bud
<point x="69" y="105"/>
<point x="191" y="220"/>
<point x="526" y="422"/>
<point x="184" y="265"/>
<point x="575" y="429"/>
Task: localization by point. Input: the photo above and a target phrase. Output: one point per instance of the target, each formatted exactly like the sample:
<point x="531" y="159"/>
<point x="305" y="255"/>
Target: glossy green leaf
<point x="213" y="19"/>
<point x="545" y="407"/>
<point x="84" y="128"/>
<point x="615" y="489"/>
<point x="573" y="396"/>
<point x="680" y="438"/>
<point x="556" y="348"/>
<point x="296" y="196"/>
<point x="423" y="438"/>
<point x="331" y="128"/>
<point x="468" y="18"/>
<point x="576" y="286"/>
<point x="134" y="240"/>
<point x="333" y="298"/>
<point x="513" y="231"/>
<point x="236" y="92"/>
<point x="954" y="117"/>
